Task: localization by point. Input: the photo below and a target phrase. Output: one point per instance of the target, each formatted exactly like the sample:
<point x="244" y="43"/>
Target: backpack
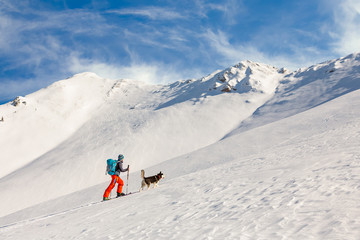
<point x="110" y="167"/>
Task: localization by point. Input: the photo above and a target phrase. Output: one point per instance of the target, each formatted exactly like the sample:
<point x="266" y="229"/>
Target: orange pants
<point x="114" y="179"/>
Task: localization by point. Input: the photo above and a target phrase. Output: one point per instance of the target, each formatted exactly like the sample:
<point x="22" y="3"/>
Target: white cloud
<point x="229" y="54"/>
<point x="31" y="37"/>
<point x="347" y="26"/>
<point x="230" y="9"/>
<point x="154" y="13"/>
<point x="153" y="73"/>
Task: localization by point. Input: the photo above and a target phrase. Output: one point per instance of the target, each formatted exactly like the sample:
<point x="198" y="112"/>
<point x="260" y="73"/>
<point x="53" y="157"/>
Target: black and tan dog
<point x="147" y="181"/>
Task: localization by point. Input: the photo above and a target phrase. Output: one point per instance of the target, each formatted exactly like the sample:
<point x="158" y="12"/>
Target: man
<point x="115" y="178"/>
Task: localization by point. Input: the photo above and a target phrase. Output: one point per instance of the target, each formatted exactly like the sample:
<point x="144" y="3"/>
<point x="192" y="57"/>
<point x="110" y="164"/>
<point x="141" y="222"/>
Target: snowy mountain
<point x="249" y="152"/>
<point x="98" y="118"/>
<point x="307" y="88"/>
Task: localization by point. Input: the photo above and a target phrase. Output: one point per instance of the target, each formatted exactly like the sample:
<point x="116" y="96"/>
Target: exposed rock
<point x="226" y="89"/>
<point x="17" y="101"/>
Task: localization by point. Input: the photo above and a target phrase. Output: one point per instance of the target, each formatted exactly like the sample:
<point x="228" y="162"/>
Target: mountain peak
<point x="246" y="76"/>
<point x="85" y="75"/>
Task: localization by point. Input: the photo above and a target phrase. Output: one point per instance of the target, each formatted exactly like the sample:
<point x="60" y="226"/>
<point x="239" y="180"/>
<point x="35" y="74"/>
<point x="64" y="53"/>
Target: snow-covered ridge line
<point x="306" y="88"/>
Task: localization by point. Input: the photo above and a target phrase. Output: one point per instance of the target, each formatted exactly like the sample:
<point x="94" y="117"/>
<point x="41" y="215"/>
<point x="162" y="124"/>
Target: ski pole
<point x="127" y="181"/>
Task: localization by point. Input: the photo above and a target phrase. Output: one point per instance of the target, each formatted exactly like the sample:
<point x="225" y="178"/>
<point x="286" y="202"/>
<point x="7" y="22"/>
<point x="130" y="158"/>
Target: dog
<point x="147" y="181"/>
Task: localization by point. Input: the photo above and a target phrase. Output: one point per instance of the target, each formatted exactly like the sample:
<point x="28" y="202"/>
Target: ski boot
<point x="120" y="194"/>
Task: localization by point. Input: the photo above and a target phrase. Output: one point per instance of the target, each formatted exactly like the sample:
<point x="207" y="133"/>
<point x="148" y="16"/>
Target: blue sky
<point x="164" y="41"/>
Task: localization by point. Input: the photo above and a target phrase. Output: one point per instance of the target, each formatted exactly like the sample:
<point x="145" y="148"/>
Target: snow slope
<point x="303" y="184"/>
<point x="234" y="170"/>
<point x="44" y="119"/>
<point x="149" y="124"/>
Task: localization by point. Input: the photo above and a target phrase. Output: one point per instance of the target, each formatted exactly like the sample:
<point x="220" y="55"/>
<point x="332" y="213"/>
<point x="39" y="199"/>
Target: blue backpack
<point x="110" y="168"/>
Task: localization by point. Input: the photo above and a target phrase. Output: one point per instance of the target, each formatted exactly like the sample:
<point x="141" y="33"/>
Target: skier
<point x="115" y="178"/>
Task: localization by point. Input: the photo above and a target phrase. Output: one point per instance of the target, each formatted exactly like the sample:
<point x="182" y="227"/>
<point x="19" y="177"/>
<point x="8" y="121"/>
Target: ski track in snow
<point x="45" y="217"/>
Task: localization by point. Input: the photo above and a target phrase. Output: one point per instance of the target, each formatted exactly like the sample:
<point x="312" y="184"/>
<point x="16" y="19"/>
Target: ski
<point x="130" y="193"/>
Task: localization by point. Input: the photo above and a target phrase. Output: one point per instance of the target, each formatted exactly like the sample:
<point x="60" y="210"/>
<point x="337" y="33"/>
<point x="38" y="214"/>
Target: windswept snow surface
<point x="250" y="152"/>
<point x="303" y="184"/>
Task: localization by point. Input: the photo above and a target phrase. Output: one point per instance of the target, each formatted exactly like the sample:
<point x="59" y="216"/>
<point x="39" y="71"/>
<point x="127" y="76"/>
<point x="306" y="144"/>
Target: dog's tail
<point x="143" y="174"/>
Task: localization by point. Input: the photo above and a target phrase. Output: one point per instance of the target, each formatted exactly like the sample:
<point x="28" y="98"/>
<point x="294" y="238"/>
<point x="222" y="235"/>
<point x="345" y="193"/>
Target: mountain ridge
<point x="309" y="87"/>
